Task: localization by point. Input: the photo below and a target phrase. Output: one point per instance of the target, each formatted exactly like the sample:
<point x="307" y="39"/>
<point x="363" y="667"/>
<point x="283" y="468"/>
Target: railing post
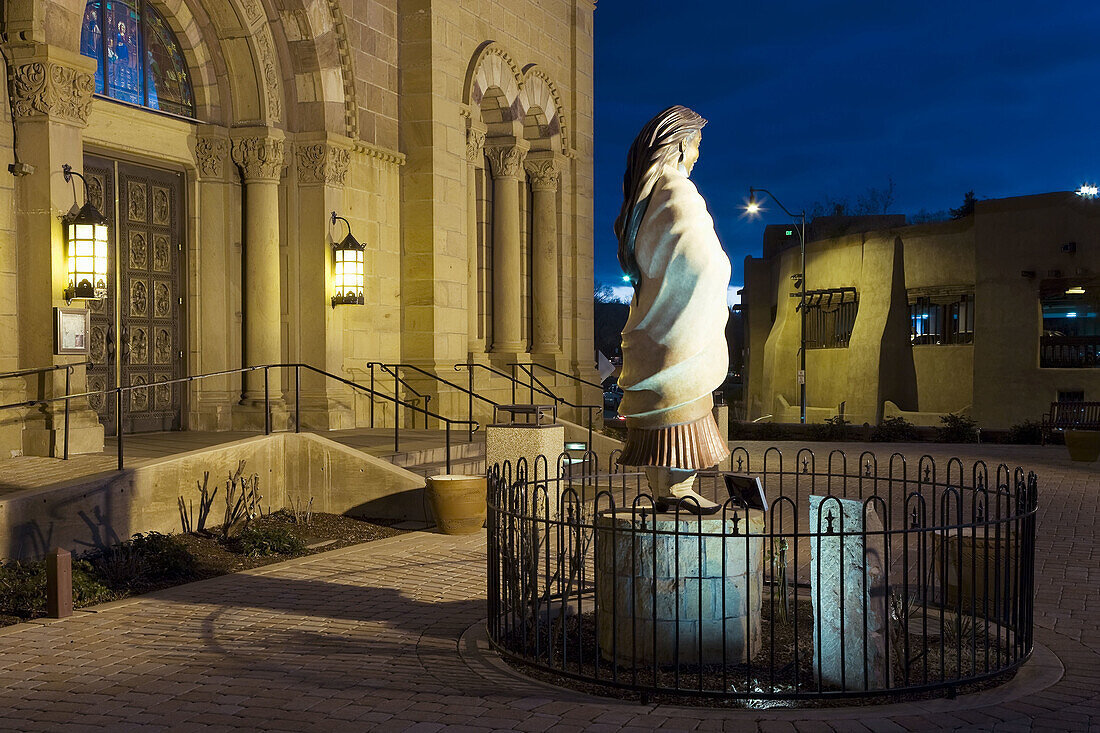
<point x="118" y="424"/>
<point x="531" y="381"/>
<point x="427" y="409"/>
<point x="68" y="374"/>
<point x="267" y="403"/>
<point x="396" y="423"/>
<point x="298" y="398"/>
<point x="590" y="447"/>
<point x="371" y="395"/>
<point x="513" y="383"/>
<point x="470" y="406"/>
<point x="448" y="454"/>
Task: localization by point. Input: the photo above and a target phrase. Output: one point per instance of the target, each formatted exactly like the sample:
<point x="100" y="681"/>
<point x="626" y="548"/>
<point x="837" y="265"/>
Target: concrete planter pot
<point x="458" y="503"/>
<point x="1083" y="445"/>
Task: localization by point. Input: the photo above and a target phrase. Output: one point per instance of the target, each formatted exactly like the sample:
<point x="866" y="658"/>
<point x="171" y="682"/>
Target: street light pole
<point x="753" y="208"/>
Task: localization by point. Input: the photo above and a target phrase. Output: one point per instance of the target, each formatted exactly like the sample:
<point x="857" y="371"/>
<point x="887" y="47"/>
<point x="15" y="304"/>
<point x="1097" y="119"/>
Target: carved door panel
<point x="137" y="331"/>
<point x="102" y="343"/>
<point x="150" y="298"/>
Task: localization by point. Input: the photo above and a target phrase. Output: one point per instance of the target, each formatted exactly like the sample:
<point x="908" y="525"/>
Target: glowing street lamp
<point x="348" y="276"/>
<point x="752" y="208"/>
<point x="86" y="247"/>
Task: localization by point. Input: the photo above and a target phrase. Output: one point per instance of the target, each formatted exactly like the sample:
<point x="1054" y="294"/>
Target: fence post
<point x="59" y="584"/>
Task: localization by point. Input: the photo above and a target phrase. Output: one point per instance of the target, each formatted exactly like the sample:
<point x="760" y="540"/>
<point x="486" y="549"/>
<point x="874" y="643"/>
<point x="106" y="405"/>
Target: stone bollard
<point x="59" y="584"/>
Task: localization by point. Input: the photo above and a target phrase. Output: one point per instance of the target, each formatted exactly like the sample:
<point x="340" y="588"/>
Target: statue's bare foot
<point x="688" y="502"/>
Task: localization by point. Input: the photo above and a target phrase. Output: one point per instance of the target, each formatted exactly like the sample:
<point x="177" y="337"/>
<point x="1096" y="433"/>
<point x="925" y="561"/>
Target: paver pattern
<point x="378" y="637"/>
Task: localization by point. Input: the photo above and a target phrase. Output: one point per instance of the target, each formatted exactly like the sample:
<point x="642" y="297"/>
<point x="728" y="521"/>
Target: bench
<point x="1071" y="416"/>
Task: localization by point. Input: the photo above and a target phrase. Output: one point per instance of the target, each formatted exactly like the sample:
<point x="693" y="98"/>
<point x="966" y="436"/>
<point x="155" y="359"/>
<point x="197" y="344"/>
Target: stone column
<point x="543" y="169"/>
<point x="506" y="165"/>
<point x="51" y="97"/>
<point x="322" y="168"/>
<point x="211" y="292"/>
<point x="475" y="159"/>
<point x="260" y="158"/>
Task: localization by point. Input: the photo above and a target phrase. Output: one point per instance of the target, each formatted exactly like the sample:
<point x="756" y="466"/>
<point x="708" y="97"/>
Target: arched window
<point x="144" y="64"/>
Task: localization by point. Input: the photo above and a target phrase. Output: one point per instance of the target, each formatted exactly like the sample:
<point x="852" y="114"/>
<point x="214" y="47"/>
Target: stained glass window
<point x="140" y="60"/>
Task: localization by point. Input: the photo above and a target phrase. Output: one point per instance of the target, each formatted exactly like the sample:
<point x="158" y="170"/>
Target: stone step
<point x="467" y="467"/>
<point x="438" y="454"/>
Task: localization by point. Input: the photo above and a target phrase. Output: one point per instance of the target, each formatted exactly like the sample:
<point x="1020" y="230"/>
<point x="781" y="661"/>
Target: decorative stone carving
<point x="271" y="75"/>
<point x="543" y="173"/>
<point x="211" y="152"/>
<point x="351" y="105"/>
<point x="505" y="160"/>
<point x="51" y="89"/>
<point x="379" y="153"/>
<point x="260" y="158"/>
<point x="322" y="163"/>
<point x="475" y="142"/>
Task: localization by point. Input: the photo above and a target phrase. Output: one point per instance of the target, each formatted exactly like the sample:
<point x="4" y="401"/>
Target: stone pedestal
<point x="512" y="442"/>
<point x="686" y="590"/>
<point x="847" y="589"/>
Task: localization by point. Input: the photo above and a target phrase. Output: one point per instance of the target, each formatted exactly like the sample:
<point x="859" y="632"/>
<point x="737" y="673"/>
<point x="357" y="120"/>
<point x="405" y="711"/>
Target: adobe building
<point x="993" y="315"/>
<point x="217" y="136"/>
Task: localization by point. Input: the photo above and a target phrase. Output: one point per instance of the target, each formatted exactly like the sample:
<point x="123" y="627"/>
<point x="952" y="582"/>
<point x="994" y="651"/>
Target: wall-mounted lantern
<point x="86" y="245"/>
<point x="348" y="278"/>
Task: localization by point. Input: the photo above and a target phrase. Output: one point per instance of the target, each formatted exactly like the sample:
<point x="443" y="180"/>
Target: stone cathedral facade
<point x="217" y="136"/>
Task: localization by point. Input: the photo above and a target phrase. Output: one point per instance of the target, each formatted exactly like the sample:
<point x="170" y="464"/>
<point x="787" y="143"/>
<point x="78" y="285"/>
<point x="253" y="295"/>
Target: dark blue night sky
<point x="819" y="100"/>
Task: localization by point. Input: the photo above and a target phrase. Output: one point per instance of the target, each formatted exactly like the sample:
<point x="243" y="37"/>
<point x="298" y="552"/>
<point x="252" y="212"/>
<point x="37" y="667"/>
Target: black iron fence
<point x="858" y="579"/>
<point x="1069" y="351"/>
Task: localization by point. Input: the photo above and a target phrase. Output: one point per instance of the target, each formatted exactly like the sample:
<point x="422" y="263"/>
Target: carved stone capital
<point x="543" y="173"/>
<point x="211" y="151"/>
<point x="505" y="161"/>
<point x="322" y="163"/>
<point x="475" y="143"/>
<point x="260" y="158"/>
<point x="51" y="89"/>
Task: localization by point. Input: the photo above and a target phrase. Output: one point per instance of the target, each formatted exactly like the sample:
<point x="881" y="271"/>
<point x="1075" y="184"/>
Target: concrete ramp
<point x="98" y="511"/>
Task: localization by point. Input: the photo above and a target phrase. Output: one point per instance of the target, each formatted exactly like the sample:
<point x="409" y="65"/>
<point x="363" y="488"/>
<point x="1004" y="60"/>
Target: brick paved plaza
<point x="389" y="636"/>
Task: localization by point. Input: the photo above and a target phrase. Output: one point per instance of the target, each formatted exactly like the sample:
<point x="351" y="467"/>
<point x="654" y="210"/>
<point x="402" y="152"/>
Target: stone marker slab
<point x="847" y="589"/>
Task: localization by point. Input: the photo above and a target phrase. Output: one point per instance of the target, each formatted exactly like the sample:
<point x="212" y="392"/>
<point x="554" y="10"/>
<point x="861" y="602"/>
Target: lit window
<point x="940" y="321"/>
<point x="144" y="63"/>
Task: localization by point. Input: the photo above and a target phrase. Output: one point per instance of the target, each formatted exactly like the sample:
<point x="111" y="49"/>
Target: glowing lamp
<point x="1087" y="191"/>
<point x="348" y="277"/>
<point x="86" y="247"/>
<point x="1077" y="290"/>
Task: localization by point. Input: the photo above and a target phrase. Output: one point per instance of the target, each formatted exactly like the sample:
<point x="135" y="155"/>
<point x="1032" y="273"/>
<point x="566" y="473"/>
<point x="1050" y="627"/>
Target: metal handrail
<point x="398" y="380"/>
<point x="510" y="377"/>
<point x="297" y="367"/>
<point x="42" y="370"/>
<point x="68" y="380"/>
<point x="574" y="377"/>
<point x="528" y="368"/>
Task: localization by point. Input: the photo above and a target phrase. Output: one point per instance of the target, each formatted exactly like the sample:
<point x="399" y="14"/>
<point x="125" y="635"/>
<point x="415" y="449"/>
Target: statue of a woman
<point x="674" y="343"/>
